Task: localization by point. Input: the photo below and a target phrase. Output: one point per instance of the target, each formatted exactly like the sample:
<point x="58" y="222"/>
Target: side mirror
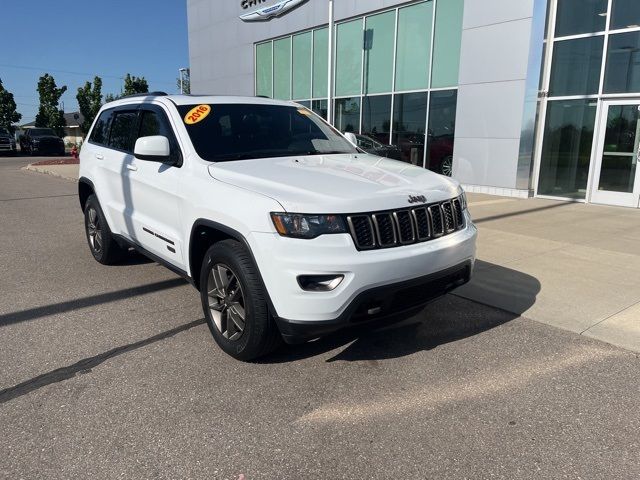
<point x="352" y="138"/>
<point x="155" y="148"/>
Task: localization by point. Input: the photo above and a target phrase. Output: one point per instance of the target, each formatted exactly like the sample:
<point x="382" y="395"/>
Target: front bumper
<point x="281" y="260"/>
<point x="386" y="304"/>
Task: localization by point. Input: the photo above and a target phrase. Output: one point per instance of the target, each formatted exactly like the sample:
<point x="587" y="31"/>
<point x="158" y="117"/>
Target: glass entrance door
<point x="617" y="175"/>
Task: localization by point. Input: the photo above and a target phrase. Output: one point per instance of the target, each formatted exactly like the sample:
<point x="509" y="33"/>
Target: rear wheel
<point x="101" y="242"/>
<point x="235" y="302"/>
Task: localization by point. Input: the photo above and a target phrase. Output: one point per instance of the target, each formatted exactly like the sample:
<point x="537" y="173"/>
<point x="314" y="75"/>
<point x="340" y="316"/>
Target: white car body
<point x="156" y="208"/>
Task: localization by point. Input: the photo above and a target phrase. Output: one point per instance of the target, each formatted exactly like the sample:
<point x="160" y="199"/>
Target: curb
<point x="46" y="169"/>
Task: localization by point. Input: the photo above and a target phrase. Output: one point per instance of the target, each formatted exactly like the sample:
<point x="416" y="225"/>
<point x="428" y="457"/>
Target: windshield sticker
<point x="197" y="114"/>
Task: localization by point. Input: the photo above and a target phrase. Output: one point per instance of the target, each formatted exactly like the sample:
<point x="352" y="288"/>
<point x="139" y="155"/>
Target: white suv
<point x="287" y="229"/>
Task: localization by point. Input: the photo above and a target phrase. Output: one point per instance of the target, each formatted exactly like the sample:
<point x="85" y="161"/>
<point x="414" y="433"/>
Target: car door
<point x="111" y="156"/>
<point x="154" y="191"/>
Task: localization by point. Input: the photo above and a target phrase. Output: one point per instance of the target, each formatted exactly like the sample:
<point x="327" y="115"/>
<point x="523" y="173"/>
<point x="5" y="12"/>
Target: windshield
<point x="230" y="132"/>
<point x="40" y="132"/>
<point x="4" y="131"/>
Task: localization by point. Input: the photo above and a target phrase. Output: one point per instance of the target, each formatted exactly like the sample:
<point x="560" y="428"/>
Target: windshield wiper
<point x="330" y="152"/>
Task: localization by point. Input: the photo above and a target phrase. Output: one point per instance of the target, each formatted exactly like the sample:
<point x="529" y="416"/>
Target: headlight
<point x="298" y="225"/>
<point x="463" y="199"/>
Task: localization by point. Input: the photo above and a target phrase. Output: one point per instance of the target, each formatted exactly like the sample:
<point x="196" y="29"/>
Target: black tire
<point x="260" y="334"/>
<point x="101" y="242"/>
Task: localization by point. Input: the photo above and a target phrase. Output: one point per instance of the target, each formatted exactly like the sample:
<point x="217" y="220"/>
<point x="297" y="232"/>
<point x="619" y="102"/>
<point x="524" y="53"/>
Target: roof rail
<point x="147" y="94"/>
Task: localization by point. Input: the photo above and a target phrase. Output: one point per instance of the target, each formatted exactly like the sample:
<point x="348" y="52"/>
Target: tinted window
<point x="580" y="16"/>
<point x="566" y="154"/>
<point x="122" y="127"/>
<point x="40" y="132"/>
<point x="626" y="14"/>
<point x="623" y="69"/>
<point x="101" y="128"/>
<point x="576" y="66"/>
<point x="154" y="123"/>
<point x="244" y="131"/>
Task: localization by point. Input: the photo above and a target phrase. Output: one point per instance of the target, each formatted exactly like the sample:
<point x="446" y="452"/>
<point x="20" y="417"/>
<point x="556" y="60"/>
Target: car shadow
<point x="464" y="313"/>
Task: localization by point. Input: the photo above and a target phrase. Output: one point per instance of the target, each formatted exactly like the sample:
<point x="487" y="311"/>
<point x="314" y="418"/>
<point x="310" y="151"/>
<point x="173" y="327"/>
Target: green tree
<point x="89" y="101"/>
<point x="133" y="85"/>
<point x="49" y="115"/>
<point x="8" y="113"/>
<point x="186" y="82"/>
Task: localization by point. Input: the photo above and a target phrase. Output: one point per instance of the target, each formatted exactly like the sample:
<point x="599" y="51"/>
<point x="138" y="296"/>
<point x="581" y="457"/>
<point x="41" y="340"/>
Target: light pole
<point x="330" y="69"/>
<point x="181" y="73"/>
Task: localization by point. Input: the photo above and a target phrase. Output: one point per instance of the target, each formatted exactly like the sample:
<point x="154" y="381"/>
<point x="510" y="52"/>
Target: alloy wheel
<point x="226" y="301"/>
<point x="447" y="166"/>
<point x="94" y="230"/>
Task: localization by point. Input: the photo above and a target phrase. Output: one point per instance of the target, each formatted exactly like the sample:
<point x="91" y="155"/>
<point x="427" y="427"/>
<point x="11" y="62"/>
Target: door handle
<point x="99" y="157"/>
<point x="131" y="167"/>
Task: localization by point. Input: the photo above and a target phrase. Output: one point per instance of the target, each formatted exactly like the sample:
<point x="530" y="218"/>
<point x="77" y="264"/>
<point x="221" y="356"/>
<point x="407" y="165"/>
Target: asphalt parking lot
<point x="110" y="372"/>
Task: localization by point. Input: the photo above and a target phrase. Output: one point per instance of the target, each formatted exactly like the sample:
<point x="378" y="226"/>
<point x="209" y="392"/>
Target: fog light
<point x="319" y="283"/>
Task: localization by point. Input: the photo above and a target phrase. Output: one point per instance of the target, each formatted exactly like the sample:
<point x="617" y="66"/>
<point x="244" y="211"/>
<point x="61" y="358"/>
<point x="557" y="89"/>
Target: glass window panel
<point x="379" y="37"/>
<point x="348" y="58"/>
<point x="622" y="74"/>
<point x="320" y="107"/>
<point x="580" y="16"/>
<point x="566" y="151"/>
<point x="617" y="173"/>
<point x="409" y="121"/>
<point x="347" y="114"/>
<point x="447" y="40"/>
<point x="320" y="62"/>
<point x="622" y="127"/>
<point x="264" y="69"/>
<point x="414" y="46"/>
<point x="302" y="65"/>
<point x="441" y="131"/>
<point x="626" y="14"/>
<point x="376" y="117"/>
<point x="618" y="168"/>
<point x="282" y="69"/>
<point x="576" y="67"/>
<point x="305" y="103"/>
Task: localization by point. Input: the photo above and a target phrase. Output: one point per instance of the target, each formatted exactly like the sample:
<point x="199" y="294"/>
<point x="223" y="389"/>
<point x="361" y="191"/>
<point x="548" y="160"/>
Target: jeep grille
<point x="406" y="226"/>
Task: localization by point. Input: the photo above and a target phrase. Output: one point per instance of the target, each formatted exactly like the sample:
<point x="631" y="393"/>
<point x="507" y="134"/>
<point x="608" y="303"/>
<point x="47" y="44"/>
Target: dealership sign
<point x="268" y="12"/>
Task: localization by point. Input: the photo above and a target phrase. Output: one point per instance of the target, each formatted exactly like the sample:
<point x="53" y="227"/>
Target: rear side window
<point x="100" y="131"/>
<point x="122" y="129"/>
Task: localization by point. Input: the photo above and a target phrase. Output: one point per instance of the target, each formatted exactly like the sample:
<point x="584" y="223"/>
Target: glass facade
<point x="391" y="79"/>
<point x="594" y="57"/>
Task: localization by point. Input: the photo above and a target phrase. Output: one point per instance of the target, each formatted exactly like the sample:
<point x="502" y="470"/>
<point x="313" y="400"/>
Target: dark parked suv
<point x="7" y="142"/>
<point x="41" y="141"/>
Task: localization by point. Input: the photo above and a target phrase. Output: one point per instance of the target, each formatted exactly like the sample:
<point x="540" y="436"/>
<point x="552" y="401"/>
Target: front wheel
<point x="235" y="304"/>
<point x="101" y="242"/>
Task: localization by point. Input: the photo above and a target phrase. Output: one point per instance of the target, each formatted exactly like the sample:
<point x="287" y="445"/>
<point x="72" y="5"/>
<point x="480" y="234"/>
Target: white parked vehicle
<point x="287" y="229"/>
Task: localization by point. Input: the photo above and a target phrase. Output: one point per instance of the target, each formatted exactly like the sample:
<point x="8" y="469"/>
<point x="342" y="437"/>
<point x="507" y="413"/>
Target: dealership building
<point x="512" y="97"/>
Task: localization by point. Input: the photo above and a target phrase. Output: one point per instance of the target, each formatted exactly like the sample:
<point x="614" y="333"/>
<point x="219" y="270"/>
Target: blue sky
<point x="74" y="40"/>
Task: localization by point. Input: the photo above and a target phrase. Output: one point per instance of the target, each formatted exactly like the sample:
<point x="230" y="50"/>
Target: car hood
<point x="335" y="183"/>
